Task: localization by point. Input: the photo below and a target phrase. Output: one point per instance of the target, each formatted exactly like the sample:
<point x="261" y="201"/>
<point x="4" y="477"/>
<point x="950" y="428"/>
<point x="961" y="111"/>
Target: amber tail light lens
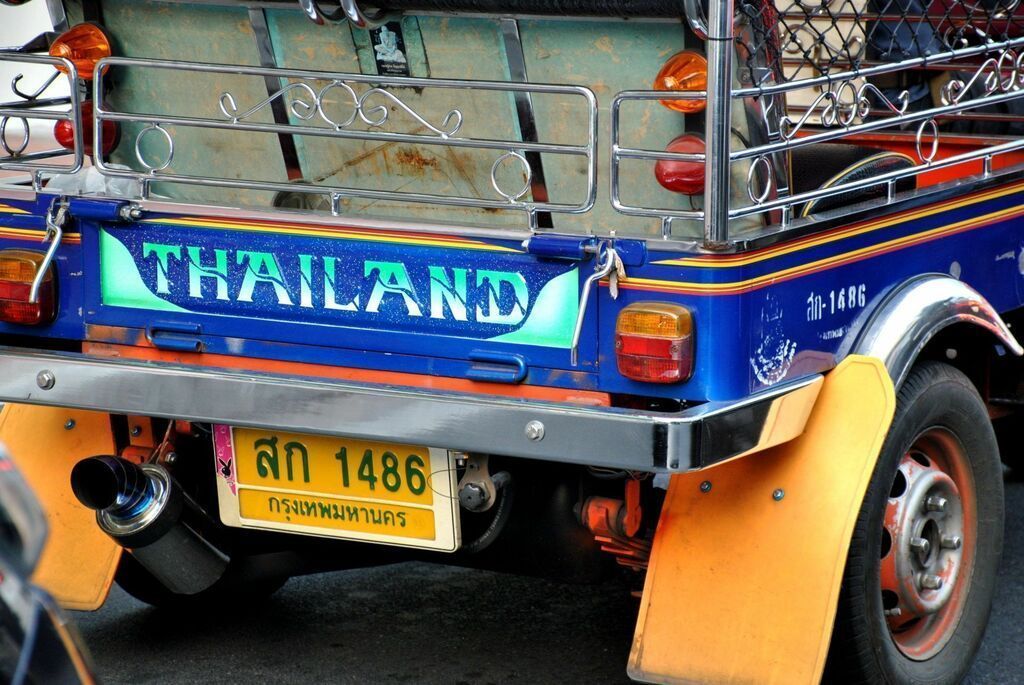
<point x="17" y="270"/>
<point x="685" y="71"/>
<point x="64" y="132"/>
<point x="654" y="342"/>
<point x="681" y="176"/>
<point x="84" y="45"/>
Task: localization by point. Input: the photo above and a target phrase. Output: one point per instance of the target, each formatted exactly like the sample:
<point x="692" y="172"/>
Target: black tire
<point x="935" y="399"/>
<point x="230" y="590"/>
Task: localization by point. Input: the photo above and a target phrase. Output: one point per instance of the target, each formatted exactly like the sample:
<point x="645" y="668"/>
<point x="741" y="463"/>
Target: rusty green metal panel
<point x="196" y="33"/>
<point x="608" y="57"/>
<point x="459" y="48"/>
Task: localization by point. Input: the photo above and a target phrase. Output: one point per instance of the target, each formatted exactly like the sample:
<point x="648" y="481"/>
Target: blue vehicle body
<point x="457" y="305"/>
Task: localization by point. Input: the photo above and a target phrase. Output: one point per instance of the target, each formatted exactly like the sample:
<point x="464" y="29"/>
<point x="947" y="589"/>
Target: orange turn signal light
<point x="654" y="342"/>
<point x="18" y="269"/>
<point x="84" y="45"/>
<point x="685" y="71"/>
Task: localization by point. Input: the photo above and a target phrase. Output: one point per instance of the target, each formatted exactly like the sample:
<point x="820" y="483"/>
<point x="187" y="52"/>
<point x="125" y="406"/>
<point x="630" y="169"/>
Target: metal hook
<point x="606" y="262"/>
<point x="39" y="91"/>
<point x="348" y="9"/>
<point x="55" y="218"/>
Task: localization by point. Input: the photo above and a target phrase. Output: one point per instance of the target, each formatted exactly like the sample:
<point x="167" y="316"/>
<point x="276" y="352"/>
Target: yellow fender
<point x="744" y="578"/>
<point x="79" y="560"/>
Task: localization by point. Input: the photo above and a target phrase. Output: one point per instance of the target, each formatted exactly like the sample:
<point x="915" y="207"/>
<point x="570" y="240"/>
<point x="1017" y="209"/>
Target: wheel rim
<point x="927" y="550"/>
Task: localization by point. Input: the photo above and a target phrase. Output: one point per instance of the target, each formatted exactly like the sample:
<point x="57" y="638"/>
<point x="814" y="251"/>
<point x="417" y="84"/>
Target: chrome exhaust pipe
<point x="145" y="510"/>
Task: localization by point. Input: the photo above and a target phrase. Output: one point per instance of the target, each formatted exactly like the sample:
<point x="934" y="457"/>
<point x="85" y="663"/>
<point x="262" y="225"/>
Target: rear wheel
<point x="922" y="566"/>
<point x="231" y="589"/>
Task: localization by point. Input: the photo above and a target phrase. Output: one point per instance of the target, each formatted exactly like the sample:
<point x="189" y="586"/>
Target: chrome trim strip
<point x="598" y="436"/>
<point x="911" y="315"/>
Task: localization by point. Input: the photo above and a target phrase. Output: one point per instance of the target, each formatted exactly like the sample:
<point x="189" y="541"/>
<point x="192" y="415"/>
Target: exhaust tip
<point x="104" y="482"/>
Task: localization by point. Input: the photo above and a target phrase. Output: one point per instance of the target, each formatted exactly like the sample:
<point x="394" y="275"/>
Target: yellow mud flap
<point x="743" y="579"/>
<point x="79" y="560"/>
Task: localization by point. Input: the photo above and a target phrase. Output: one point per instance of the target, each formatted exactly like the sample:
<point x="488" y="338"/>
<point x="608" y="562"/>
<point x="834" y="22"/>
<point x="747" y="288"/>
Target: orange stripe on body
<point x="748" y="285"/>
<point x="731" y="260"/>
<point x="412" y="380"/>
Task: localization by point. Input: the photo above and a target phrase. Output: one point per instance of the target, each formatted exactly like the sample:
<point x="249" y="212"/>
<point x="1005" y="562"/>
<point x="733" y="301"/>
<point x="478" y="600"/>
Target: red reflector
<point x="652" y="369"/>
<point x="17" y="269"/>
<point x="653" y="360"/>
<point x="64" y="132"/>
<point x="648" y="347"/>
<point x="682" y="176"/>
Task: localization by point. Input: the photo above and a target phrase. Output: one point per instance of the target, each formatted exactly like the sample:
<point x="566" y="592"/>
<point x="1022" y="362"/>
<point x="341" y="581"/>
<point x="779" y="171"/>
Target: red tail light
<point x="682" y="176"/>
<point x="18" y="268"/>
<point x="64" y="132"/>
<point x="654" y="342"/>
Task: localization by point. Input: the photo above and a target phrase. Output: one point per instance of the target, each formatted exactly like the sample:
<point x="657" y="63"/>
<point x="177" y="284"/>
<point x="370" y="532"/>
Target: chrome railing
<point x="34" y="103"/>
<point x="368" y="103"/>
<point x="840" y="106"/>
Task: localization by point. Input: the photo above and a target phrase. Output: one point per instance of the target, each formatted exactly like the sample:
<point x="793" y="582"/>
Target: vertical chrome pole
<point x="719" y="117"/>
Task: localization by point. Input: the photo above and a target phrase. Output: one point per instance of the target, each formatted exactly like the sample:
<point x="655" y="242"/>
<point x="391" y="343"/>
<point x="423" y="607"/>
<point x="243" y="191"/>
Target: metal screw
<point x="129" y="212"/>
<point x="895" y="611"/>
<point x="136" y="431"/>
<point x="930" y="582"/>
<point x="535" y="431"/>
<point x="778" y="494"/>
<point x="69" y="424"/>
<point x="705" y="486"/>
<point x="951" y="542"/>
<point x="935" y="503"/>
<point x="920" y="545"/>
<point x="171" y="457"/>
<point x="45" y="379"/>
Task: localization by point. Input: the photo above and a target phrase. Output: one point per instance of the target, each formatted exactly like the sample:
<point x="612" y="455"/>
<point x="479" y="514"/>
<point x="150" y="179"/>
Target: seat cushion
<point x="841" y="164"/>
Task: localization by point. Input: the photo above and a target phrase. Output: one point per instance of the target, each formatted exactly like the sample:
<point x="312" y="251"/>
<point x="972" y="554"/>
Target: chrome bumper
<point x="597" y="436"/>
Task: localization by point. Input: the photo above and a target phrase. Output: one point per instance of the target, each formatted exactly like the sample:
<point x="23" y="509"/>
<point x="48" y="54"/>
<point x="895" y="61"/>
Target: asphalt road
<point x="418" y="623"/>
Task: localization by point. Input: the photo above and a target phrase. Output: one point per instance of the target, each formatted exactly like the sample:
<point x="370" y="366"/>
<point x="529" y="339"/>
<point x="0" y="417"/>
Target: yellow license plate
<point x="336" y="487"/>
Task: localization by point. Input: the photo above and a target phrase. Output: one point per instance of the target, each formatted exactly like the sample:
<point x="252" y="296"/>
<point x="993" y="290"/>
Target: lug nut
<point x="930" y="582"/>
<point x="951" y="542"/>
<point x="920" y="545"/>
<point x="935" y="503"/>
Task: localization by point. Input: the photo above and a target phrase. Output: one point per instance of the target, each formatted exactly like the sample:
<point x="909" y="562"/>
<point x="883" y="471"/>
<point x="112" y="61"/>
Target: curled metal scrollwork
<point x="15" y="150"/>
<point x="315" y="102"/>
<point x="1003" y="73"/>
<point x="299" y="108"/>
<point x="769" y="180"/>
<point x="842" y="105"/>
<point x="26" y="135"/>
<point x="165" y="160"/>
<point x="527" y="173"/>
<point x="919" y="141"/>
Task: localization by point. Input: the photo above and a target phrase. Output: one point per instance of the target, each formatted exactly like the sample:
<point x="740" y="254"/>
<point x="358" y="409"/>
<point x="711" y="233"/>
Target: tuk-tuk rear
<point x="549" y="289"/>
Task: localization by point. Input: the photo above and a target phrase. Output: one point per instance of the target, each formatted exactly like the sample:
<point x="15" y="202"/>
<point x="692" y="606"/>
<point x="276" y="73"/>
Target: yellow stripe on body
<point x="720" y="262"/>
<point x="338" y="234"/>
<point x="818" y="265"/>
